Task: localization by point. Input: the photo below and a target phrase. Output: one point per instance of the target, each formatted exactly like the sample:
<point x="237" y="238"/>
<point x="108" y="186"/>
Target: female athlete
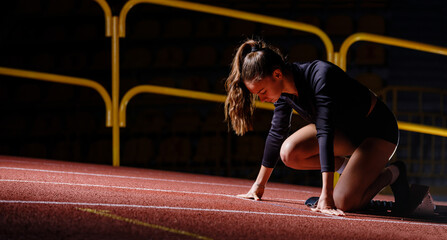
<point x="350" y="130"/>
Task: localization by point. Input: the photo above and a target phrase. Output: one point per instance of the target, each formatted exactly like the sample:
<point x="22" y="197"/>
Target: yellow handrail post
<point x="64" y="80"/>
<point x="233" y="14"/>
<point x="111" y="23"/>
<point x="115" y="93"/>
<point x="336" y="58"/>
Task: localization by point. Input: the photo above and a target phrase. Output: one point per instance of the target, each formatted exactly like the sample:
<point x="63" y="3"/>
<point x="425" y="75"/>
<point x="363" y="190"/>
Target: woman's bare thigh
<point x="363" y="168"/>
<point x="305" y="143"/>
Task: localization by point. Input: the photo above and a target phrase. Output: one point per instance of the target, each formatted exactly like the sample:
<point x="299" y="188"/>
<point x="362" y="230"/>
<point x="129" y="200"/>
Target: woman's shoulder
<point x="311" y="68"/>
<point x="319" y="68"/>
<point x="319" y="65"/>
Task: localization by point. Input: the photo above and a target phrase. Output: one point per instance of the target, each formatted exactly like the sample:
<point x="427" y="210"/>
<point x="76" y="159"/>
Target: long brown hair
<point x="254" y="60"/>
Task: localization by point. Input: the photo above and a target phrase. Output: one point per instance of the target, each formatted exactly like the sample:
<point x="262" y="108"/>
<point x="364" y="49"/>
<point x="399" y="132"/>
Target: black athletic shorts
<point x="380" y="123"/>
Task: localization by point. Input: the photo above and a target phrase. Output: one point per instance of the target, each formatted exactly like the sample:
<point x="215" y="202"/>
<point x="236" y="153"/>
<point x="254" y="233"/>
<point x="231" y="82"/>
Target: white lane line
<point x="39" y="162"/>
<point x="144" y="189"/>
<point x="117" y="187"/>
<point x="160" y="190"/>
<point x="284" y="199"/>
<point x="222" y="211"/>
<point x="158" y="207"/>
<point x="145" y="178"/>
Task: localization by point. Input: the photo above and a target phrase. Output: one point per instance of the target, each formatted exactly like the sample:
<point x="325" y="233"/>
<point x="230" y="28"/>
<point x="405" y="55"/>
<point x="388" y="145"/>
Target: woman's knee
<point x="299" y="147"/>
<point x="296" y="155"/>
<point x="346" y="201"/>
<point x="287" y="153"/>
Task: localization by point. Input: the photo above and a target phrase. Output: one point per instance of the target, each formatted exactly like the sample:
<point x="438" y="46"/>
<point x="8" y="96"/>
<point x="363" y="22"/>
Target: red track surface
<point x="41" y="199"/>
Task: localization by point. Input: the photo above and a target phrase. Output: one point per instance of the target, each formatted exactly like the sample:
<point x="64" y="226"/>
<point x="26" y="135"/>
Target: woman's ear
<point x="277" y="74"/>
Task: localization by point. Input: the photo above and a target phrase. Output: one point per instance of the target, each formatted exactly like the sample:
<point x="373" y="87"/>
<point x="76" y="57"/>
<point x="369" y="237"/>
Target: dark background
<point x="188" y="50"/>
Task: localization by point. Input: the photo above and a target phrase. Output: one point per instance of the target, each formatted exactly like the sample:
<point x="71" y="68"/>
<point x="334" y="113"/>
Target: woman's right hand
<point x="255" y="192"/>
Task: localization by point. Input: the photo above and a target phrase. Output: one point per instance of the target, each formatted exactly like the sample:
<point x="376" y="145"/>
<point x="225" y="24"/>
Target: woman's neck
<point x="289" y="84"/>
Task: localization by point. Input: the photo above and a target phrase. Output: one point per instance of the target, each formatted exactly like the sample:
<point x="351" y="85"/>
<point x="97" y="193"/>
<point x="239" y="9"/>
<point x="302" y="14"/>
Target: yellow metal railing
<point x="220" y="11"/>
<point x="75" y="80"/>
<point x="170" y="91"/>
<point x="64" y="80"/>
<point x="108" y="16"/>
<point x="342" y="56"/>
<point x="337" y="58"/>
<point x="413" y="127"/>
<point x="115" y="28"/>
<point x="428" y="156"/>
<point x="420" y="128"/>
<point x="211" y="97"/>
<point x="368" y="37"/>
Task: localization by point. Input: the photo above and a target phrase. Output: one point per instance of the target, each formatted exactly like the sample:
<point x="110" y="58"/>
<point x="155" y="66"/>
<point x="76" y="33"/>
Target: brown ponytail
<point x="253" y="60"/>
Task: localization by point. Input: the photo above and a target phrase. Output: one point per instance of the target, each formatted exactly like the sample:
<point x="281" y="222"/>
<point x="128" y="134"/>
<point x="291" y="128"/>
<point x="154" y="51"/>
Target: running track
<point x="42" y="199"/>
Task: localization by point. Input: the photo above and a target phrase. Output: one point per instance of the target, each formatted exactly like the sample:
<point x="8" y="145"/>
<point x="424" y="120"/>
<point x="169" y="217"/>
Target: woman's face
<point x="268" y="89"/>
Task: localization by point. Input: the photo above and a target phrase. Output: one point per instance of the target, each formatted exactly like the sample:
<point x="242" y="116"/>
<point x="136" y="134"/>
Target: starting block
<point x="421" y="204"/>
<point x="425" y="206"/>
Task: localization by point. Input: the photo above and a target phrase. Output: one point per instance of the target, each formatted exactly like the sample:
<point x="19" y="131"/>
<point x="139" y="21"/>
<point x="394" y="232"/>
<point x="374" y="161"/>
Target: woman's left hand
<point x="326" y="205"/>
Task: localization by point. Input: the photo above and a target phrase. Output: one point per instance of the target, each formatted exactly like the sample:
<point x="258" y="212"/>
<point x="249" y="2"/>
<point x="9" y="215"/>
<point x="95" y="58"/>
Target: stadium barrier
<point x="48" y="77"/>
<point x="425" y="154"/>
<point x="115" y="28"/>
<point x="196" y="7"/>
<point x="220" y="11"/>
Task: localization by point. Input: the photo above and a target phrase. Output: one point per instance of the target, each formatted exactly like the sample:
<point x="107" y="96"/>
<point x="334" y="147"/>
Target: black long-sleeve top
<point x="327" y="97"/>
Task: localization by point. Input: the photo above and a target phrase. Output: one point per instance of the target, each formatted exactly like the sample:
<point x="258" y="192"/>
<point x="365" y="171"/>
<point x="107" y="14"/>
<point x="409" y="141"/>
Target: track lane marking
<point x="154" y="190"/>
<point x="146" y="189"/>
<point x="160" y="207"/>
<point x="170" y="191"/>
<point x="221" y="211"/>
<point x="119" y="187"/>
<point x="145" y="178"/>
<point x="106" y="213"/>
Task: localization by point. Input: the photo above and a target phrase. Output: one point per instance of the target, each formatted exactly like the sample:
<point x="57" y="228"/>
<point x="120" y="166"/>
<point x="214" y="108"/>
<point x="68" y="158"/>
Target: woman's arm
<point x="278" y="132"/>
<point x="323" y="83"/>
<point x="326" y="202"/>
<point x="257" y="190"/>
<point x="327" y="189"/>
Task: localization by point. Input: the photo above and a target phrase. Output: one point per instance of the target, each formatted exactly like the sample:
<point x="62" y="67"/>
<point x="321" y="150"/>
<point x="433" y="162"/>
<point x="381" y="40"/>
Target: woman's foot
<point x="400" y="188"/>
